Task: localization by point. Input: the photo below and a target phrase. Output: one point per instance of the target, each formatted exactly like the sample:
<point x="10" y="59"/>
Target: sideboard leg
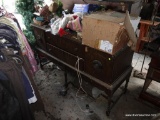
<point x="146" y="84"/>
<point x="109" y="105"/>
<point x="63" y="91"/>
<point x="127" y="81"/>
<point x="126" y="85"/>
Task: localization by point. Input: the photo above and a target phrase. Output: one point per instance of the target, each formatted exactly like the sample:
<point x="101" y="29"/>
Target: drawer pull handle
<point x="49" y="50"/>
<point x="97" y="64"/>
<point x="75" y="49"/>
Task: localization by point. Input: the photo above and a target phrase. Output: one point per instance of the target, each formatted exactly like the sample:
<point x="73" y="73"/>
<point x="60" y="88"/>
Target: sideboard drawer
<point x="107" y="67"/>
<point x="98" y="64"/>
<point x="65" y="56"/>
<point x="66" y="44"/>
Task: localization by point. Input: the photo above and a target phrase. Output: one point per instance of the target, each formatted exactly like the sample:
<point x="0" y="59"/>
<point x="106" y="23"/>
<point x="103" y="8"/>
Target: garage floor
<point x="73" y="105"/>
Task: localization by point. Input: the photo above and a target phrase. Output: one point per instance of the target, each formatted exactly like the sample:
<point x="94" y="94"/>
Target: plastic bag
<point x="55" y="26"/>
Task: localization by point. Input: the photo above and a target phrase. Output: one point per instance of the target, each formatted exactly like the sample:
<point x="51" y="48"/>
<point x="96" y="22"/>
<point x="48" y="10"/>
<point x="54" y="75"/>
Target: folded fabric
<point x="75" y="24"/>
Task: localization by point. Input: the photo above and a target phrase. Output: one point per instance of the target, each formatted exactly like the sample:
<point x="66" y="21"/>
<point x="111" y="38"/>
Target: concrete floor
<point x="73" y="107"/>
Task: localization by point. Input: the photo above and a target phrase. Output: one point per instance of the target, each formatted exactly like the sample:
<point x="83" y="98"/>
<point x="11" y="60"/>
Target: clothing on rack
<point x="28" y="87"/>
<point x="16" y="91"/>
<point x="9" y="105"/>
<point x="12" y="70"/>
<point x="23" y="43"/>
<point x="9" y="35"/>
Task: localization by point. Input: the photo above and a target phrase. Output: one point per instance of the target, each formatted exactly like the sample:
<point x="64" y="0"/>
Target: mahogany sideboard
<point x="105" y="71"/>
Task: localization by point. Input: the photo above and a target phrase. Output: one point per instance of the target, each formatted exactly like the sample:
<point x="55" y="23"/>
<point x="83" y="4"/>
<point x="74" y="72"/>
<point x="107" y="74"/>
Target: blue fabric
<point x="93" y="7"/>
<point x="27" y="86"/>
<point x="85" y="8"/>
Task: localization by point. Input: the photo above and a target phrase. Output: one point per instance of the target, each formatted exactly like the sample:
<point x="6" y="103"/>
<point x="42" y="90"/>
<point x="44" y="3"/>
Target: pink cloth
<point x="28" y="51"/>
<point x="75" y="24"/>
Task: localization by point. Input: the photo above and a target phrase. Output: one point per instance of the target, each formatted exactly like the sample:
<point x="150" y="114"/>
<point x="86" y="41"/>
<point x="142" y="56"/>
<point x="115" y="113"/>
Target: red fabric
<point x="62" y="32"/>
<point x="75" y="16"/>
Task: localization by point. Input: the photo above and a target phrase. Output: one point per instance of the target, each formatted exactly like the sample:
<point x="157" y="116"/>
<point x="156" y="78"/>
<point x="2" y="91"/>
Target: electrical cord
<point x="80" y="84"/>
<point x="79" y="77"/>
<point x="85" y="111"/>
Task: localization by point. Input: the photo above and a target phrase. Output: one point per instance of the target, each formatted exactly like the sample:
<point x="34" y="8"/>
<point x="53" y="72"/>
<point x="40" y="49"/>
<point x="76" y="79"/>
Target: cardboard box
<point x="108" y="31"/>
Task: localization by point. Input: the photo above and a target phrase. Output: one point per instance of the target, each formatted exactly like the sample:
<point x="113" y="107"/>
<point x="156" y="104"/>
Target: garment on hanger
<point x="14" y="80"/>
<point x="9" y="105"/>
<point x="23" y="43"/>
<point x="12" y="69"/>
<point x="28" y="87"/>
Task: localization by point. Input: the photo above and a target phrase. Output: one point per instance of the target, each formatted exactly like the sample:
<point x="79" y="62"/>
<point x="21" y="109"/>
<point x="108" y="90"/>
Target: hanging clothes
<point x="14" y="80"/>
<point x="12" y="68"/>
<point x="11" y="23"/>
<point x="24" y="45"/>
<point x="28" y="87"/>
<point x="9" y="106"/>
<point x="26" y="81"/>
<point x="9" y="34"/>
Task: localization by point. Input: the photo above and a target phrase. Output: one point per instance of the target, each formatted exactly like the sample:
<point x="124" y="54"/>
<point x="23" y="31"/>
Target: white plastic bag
<point x="55" y="26"/>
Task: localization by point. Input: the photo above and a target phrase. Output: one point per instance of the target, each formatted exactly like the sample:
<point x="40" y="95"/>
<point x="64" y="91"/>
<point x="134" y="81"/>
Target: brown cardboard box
<point x="107" y="31"/>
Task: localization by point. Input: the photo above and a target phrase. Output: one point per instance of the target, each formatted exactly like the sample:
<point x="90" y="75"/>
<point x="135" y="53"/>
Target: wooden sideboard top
<point x="46" y="28"/>
<point x="71" y="35"/>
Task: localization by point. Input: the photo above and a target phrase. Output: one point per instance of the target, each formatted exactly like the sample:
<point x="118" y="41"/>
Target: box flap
<point x="130" y="30"/>
<point x="110" y="16"/>
<point x="95" y="30"/>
